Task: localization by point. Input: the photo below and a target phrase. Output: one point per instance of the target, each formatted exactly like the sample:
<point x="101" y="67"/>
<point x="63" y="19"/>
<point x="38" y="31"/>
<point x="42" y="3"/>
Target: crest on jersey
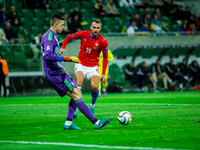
<point x="48" y="47"/>
<point x="96" y="44"/>
<point x="72" y="83"/>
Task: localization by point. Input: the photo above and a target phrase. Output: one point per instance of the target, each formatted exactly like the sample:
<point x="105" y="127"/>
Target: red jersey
<point x="90" y="48"/>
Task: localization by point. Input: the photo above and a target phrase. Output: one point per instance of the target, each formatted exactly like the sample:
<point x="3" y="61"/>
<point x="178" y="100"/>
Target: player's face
<point x="60" y="26"/>
<point x="95" y="29"/>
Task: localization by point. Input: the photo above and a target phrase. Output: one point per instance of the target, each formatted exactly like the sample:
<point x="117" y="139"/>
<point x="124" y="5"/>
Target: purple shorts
<point x="61" y="83"/>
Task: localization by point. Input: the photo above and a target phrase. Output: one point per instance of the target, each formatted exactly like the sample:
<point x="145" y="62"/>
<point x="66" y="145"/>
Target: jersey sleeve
<point x="48" y="49"/>
<point x="76" y="35"/>
<point x="105" y="56"/>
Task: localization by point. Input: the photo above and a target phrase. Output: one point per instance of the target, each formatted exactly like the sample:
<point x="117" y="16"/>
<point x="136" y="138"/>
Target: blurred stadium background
<point x="27" y="78"/>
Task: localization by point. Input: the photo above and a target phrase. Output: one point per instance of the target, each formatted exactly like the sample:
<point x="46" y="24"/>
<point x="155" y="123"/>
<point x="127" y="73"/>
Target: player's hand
<point x="75" y="59"/>
<point x="103" y="78"/>
<point x="72" y="59"/>
<point x="62" y="51"/>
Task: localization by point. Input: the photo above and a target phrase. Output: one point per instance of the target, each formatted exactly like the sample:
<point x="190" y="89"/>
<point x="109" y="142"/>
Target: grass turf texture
<point x="159" y="120"/>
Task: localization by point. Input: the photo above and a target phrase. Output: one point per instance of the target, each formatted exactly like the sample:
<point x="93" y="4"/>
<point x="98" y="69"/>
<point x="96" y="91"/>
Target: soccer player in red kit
<point x="92" y="43"/>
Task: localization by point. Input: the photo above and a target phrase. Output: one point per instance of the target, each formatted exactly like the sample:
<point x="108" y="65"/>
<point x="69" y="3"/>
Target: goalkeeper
<point x="57" y="77"/>
<point x="105" y="84"/>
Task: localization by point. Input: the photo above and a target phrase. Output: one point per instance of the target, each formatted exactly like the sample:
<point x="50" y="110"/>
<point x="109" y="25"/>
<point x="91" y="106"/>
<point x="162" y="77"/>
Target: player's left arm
<point x="105" y="59"/>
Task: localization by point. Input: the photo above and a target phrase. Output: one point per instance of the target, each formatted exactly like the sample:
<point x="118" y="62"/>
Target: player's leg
<point x="80" y="76"/>
<point x="94" y="83"/>
<point x="100" y="87"/>
<point x="79" y="79"/>
<point x="100" y="84"/>
<point x="70" y="115"/>
<point x="92" y="74"/>
<point x="105" y="84"/>
<point x="61" y="84"/>
<point x="76" y="95"/>
<point x="64" y="84"/>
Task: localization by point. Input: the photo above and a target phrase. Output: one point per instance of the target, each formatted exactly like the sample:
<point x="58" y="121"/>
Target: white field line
<point x="148" y="104"/>
<point x="87" y="145"/>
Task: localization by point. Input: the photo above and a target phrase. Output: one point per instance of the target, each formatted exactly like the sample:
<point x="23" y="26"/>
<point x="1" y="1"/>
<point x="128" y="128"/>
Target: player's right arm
<point x="48" y="55"/>
<point x="76" y="35"/>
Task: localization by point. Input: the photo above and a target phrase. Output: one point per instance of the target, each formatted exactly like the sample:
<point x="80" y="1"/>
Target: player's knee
<point x="76" y="94"/>
<point x="94" y="87"/>
<point x="79" y="83"/>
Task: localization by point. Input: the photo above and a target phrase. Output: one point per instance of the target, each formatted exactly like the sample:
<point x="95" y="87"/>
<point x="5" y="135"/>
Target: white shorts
<point x="87" y="71"/>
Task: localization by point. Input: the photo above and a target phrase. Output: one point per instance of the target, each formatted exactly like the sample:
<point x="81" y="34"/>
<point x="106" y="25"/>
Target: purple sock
<point x="71" y="108"/>
<point x="85" y="110"/>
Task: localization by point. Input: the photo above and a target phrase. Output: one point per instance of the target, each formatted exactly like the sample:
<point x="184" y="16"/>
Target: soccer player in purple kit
<point x="60" y="81"/>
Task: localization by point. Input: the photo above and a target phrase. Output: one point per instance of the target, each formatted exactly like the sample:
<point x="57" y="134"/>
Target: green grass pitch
<point x="168" y="120"/>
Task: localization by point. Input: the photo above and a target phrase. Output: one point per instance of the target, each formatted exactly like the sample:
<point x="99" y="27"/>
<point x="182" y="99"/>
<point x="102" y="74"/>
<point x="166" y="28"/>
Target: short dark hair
<point x="96" y="20"/>
<point x="55" y="18"/>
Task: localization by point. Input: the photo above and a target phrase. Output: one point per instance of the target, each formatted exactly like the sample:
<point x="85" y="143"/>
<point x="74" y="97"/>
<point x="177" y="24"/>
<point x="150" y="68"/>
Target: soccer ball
<point x="124" y="117"/>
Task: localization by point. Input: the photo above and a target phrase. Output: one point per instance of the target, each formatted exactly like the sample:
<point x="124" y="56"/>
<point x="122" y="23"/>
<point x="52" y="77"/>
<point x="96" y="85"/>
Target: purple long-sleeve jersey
<point x="50" y="50"/>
